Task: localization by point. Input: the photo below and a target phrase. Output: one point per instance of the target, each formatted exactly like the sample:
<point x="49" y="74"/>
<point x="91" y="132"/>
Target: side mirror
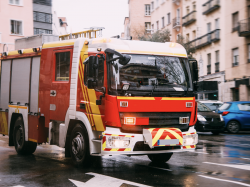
<point x="92" y="71"/>
<point x="99" y="101"/>
<point x="123" y="59"/>
<point x="194" y="72"/>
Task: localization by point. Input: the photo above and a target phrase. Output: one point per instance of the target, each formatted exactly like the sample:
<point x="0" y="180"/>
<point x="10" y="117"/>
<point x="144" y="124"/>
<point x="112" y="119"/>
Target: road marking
<point x="104" y="181"/>
<point x="240" y="183"/>
<point x="237" y="166"/>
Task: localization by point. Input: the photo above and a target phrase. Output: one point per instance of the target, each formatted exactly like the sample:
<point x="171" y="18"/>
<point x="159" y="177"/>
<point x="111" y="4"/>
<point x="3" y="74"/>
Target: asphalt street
<point x="219" y="160"/>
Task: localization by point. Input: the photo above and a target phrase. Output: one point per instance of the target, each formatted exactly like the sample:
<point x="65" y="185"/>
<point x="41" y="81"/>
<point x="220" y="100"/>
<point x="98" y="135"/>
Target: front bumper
<point x="140" y="144"/>
<point x="206" y="126"/>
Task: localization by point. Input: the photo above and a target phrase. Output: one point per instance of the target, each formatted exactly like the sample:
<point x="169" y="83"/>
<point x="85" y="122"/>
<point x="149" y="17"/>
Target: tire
<point x="215" y="132"/>
<point x="160" y="158"/>
<point x="22" y="147"/>
<point x="79" y="146"/>
<point x="233" y="127"/>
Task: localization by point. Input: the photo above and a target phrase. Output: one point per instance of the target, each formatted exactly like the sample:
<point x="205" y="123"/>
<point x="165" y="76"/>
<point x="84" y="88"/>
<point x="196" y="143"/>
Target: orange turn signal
<point x="129" y="120"/>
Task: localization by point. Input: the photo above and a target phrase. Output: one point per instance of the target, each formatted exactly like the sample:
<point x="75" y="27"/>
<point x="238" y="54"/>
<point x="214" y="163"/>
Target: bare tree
<point x="158" y="36"/>
<point x="190" y="47"/>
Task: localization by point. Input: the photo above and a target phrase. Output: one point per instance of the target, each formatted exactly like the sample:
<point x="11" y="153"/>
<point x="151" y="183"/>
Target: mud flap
<point x="162" y="137"/>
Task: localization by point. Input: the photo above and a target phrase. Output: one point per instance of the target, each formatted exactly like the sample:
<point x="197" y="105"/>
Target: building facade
<point x="212" y="28"/>
<point x="60" y="25"/>
<point x="14" y="25"/>
<point x="42" y="16"/>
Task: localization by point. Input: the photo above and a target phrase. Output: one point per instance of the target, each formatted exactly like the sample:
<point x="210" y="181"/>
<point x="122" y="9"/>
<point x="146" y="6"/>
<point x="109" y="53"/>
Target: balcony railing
<point x="210" y="6"/>
<point x="217" y="67"/>
<point x="244" y="27"/>
<point x="176" y="23"/>
<point x="235" y="60"/>
<point x="206" y="39"/>
<point x="189" y="18"/>
<point x="177" y="2"/>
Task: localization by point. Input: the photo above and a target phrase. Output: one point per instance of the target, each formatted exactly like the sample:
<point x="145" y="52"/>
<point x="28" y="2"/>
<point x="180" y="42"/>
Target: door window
<point x="62" y="66"/>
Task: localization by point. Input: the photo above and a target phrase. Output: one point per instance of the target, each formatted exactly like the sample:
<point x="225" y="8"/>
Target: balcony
<point x="210" y="6"/>
<point x="244" y="27"/>
<point x="177" y="23"/>
<point x="206" y="39"/>
<point x="189" y="18"/>
<point x="235" y="60"/>
<point x="208" y="69"/>
<point x="177" y="2"/>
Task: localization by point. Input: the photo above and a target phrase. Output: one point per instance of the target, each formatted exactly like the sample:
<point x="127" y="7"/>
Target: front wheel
<point x="233" y="127"/>
<point x="22" y="147"/>
<point x="160" y="158"/>
<point x="79" y="145"/>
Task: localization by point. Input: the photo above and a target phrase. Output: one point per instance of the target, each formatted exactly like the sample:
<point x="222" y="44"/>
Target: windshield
<point x="225" y="106"/>
<point x="150" y="72"/>
<point x="213" y="106"/>
<point x="203" y="108"/>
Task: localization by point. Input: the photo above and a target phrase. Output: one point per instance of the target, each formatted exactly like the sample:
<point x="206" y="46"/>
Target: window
<point x="209" y="63"/>
<point x="42" y="17"/>
<point x="157" y="4"/>
<point x="152" y="6"/>
<point x="248" y="53"/>
<point x="152" y="27"/>
<point x="244" y="106"/>
<point x="16" y="27"/>
<point x="217" y="23"/>
<point x="235" y="19"/>
<point x="194" y="34"/>
<point x="62" y="66"/>
<point x="187" y="9"/>
<point x="42" y="31"/>
<point x="235" y="57"/>
<point x="225" y="106"/>
<point x="15" y="2"/>
<point x="157" y="25"/>
<point x="217" y="61"/>
<point x="187" y="37"/>
<point x="194" y="6"/>
<point x="163" y="22"/>
<point x="169" y="19"/>
<point x="148" y="26"/>
<point x="147" y="10"/>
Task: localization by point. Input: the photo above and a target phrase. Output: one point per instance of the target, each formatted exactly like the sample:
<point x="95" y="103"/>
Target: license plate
<point x="168" y="142"/>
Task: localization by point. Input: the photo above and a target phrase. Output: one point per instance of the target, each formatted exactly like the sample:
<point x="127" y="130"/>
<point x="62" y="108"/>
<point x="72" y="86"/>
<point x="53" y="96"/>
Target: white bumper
<point x="142" y="141"/>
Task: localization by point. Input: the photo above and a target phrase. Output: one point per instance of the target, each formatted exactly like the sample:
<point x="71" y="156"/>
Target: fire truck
<point x="100" y="96"/>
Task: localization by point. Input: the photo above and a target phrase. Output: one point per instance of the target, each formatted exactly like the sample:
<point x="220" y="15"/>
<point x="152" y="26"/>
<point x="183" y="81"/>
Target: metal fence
<point x="189" y="18"/>
<point x="210" y="6"/>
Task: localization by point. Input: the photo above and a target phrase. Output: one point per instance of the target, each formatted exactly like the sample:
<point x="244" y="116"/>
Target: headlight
<point x="117" y="142"/>
<point x="221" y="118"/>
<point x="201" y="118"/>
<point x="191" y="139"/>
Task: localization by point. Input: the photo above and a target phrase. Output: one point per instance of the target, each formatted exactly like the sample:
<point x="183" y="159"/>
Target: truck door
<point x="60" y="86"/>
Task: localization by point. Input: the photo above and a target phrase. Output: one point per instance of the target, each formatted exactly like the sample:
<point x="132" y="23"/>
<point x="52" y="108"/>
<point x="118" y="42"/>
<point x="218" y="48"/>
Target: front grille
<point x="213" y="119"/>
<point x="156" y="120"/>
<point x="140" y="146"/>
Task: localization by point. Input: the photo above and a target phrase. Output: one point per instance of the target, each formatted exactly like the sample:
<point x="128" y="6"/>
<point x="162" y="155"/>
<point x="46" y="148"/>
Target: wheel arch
<point x="81" y="119"/>
<point x="13" y="119"/>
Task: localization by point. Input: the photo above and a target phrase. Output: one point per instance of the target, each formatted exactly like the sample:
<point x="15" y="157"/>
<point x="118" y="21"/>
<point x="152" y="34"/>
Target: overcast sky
<point x="82" y="14"/>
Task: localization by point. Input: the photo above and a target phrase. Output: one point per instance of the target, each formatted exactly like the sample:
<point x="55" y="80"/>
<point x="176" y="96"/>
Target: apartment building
<point x="166" y="14"/>
<point x="42" y="16"/>
<point x="237" y="50"/>
<point x="218" y="31"/>
<point x="16" y="22"/>
<point x="153" y="15"/>
<point x="139" y="18"/>
<point x="59" y="26"/>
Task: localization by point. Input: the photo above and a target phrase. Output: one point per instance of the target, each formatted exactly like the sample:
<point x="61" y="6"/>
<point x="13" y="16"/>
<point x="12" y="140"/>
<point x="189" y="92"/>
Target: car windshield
<point x="203" y="108"/>
<point x="150" y="72"/>
<point x="213" y="106"/>
<point x="225" y="106"/>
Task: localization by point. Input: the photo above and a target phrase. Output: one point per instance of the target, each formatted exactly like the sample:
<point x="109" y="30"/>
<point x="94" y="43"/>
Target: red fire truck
<point x="101" y="96"/>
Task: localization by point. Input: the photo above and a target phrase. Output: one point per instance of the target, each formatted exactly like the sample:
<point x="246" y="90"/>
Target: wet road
<point x="219" y="160"/>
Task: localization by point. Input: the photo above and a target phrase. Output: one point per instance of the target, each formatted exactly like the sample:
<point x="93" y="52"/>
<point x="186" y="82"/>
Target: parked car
<point x="236" y="115"/>
<point x="212" y="104"/>
<point x="208" y="121"/>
